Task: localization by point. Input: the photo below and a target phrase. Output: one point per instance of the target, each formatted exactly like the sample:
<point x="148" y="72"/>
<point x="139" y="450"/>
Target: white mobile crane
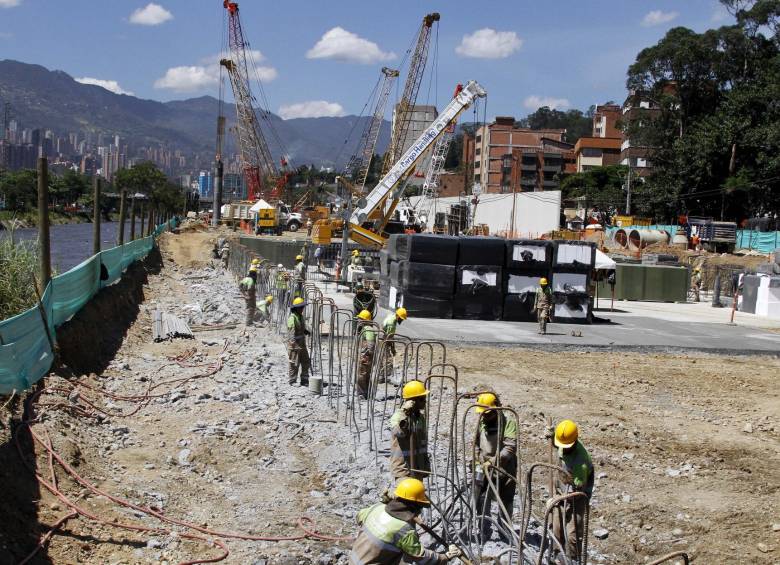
<point x="391" y="185"/>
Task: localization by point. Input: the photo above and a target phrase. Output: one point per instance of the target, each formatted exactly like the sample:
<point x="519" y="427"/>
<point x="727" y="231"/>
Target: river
<point x="72" y="243"/>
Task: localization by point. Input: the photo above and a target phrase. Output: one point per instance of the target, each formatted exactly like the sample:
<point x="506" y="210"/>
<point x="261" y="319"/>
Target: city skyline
<point x="526" y="55"/>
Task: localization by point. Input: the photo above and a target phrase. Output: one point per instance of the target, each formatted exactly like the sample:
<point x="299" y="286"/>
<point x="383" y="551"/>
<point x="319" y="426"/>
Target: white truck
<point x="291" y="221"/>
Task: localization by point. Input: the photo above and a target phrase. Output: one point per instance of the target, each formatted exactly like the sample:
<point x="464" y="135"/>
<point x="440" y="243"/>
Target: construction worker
<point x="264" y="306"/>
<point x="300" y="268"/>
<point x="409" y="445"/>
<point x="696" y="283"/>
<point x="281" y="283"/>
<point x="367" y="347"/>
<point x="389" y="532"/>
<point x="389" y="326"/>
<point x="575" y="460"/>
<point x="297" y="352"/>
<point x="248" y="288"/>
<point x="543" y="304"/>
<point x="496" y="450"/>
<point x="224" y="254"/>
<point x="357" y="260"/>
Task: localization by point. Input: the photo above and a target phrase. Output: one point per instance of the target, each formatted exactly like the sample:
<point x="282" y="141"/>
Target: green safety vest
<point x="247" y="283"/>
<point x="580" y="466"/>
<point x="295" y="326"/>
<point x="263" y="306"/>
<point x="384" y="538"/>
<point x="390" y="324"/>
<point x="369" y="334"/>
<point x="281" y="282"/>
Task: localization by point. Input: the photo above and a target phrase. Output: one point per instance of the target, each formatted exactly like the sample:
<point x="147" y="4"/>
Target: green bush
<point x="18" y="262"/>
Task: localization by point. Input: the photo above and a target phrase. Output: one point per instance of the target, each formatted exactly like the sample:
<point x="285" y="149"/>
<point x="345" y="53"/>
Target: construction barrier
<point x="765" y="242"/>
<point x="25" y="350"/>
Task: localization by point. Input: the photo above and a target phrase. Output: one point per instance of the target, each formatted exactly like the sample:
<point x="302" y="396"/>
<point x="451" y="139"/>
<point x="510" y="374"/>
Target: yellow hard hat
<point x="355" y="252"/>
<point x="414" y="389"/>
<point x="566" y="433"/>
<point x="486" y="400"/>
<point x="364" y="315"/>
<point x="255" y="261"/>
<point x="412" y="490"/>
<point x="298" y="302"/>
<point x="697" y="269"/>
<point x="269" y="298"/>
<point x="401" y="313"/>
<point x="299" y="257"/>
<point x="543" y="281"/>
<point x="253" y="269"/>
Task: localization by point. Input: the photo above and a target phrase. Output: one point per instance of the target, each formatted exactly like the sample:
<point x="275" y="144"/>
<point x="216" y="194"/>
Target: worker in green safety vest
<point x="297" y="352"/>
<point x="496" y="450"/>
<point x="389" y="326"/>
<point x="367" y="347"/>
<point x="389" y="532"/>
<point x="264" y="307"/>
<point x="248" y="288"/>
<point x="577" y="476"/>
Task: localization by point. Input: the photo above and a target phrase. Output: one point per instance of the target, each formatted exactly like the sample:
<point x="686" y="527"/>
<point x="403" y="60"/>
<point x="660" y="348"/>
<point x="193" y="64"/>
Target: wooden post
<point x="132" y="218"/>
<point x="122" y="213"/>
<point x="95" y="215"/>
<point x="141" y="215"/>
<point x="44" y="239"/>
<point x="150" y="223"/>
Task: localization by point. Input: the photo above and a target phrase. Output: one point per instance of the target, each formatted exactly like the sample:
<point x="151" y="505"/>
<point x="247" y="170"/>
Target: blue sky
<point x="323" y="58"/>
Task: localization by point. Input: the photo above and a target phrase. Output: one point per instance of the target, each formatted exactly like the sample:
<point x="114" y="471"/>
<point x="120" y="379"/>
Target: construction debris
<point x="167" y="327"/>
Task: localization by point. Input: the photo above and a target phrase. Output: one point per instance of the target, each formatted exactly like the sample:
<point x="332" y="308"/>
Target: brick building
<point x="640" y="105"/>
<point x="603" y="147"/>
<point x="506" y="158"/>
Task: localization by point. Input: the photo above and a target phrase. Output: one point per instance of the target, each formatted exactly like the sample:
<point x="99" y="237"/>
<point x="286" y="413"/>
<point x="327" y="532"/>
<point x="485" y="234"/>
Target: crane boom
<point x="360" y="162"/>
<point x="405" y="108"/>
<point x="388" y="186"/>
<point x="256" y="159"/>
<point x="435" y="167"/>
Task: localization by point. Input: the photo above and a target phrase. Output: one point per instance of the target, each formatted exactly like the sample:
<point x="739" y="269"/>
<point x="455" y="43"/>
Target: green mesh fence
<point x="25" y="352"/>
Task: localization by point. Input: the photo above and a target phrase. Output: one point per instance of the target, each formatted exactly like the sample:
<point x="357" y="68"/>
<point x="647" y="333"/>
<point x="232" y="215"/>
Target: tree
<point x="147" y="179"/>
<point x="601" y="186"/>
<point x="715" y="138"/>
<point x="20" y="190"/>
<point x="576" y="123"/>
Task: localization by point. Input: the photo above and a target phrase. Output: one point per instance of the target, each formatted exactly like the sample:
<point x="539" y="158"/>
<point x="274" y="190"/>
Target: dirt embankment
<point x="687" y="447"/>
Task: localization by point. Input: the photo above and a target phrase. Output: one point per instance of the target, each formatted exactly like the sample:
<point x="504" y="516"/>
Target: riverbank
<point x="24" y="220"/>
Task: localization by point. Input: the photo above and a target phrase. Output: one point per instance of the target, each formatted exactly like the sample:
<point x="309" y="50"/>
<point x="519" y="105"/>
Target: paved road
<point x="635" y="326"/>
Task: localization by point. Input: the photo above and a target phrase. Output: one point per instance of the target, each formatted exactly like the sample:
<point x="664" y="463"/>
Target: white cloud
<point x="150" y="15"/>
<point x="487" y="43"/>
<point x="657" y="17"/>
<point x="9" y="3"/>
<point x="343" y="45"/>
<point x="311" y="109"/>
<point x="111" y="85"/>
<point x="187" y="79"/>
<point x="535" y="102"/>
<point x="206" y="74"/>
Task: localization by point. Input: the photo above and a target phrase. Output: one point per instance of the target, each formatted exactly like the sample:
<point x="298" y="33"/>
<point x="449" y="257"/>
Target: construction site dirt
<point x="205" y="438"/>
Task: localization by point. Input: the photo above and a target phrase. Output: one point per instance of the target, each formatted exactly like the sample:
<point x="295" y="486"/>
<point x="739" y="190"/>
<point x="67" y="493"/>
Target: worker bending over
<point x="264" y="307"/>
<point x="366" y="347"/>
<point x="409" y="445"/>
<point x="496" y="450"/>
<point x="543" y="304"/>
<point x="248" y="288"/>
<point x="297" y="352"/>
<point x="578" y="477"/>
<point x="389" y="532"/>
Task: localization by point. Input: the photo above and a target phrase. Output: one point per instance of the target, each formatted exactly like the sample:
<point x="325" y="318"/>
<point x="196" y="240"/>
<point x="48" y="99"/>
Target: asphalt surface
<point x="633" y="326"/>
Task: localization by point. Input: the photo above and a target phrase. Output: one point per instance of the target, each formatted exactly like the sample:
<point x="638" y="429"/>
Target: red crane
<point x="256" y="160"/>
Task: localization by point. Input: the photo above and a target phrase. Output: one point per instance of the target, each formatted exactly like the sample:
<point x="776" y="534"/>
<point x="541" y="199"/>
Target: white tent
<point x="260" y="205"/>
<point x="603" y="262"/>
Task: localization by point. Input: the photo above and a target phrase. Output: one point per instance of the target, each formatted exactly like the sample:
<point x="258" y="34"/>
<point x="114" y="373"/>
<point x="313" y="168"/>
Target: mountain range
<point x="41" y="98"/>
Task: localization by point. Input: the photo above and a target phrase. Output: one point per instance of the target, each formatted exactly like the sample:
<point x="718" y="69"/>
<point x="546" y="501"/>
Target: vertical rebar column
<point x="44" y="241"/>
<point x="132" y="218"/>
<point x="95" y="215"/>
<point x="122" y="213"/>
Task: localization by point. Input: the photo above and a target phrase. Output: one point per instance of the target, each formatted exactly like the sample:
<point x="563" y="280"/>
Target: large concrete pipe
<point x="639" y="239"/>
<point x="621" y="238"/>
<point x="680" y="239"/>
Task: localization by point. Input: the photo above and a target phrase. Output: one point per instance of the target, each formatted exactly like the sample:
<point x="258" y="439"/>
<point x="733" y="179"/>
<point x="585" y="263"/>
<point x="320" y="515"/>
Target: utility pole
<point x="132" y="218"/>
<point x="218" y="175"/>
<point x="95" y="214"/>
<point x="122" y="214"/>
<point x="628" y="185"/>
<point x="44" y="240"/>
